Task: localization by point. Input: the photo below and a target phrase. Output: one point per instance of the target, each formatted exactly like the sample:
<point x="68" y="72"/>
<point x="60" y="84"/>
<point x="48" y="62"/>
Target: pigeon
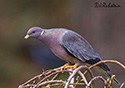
<point x="70" y="47"/>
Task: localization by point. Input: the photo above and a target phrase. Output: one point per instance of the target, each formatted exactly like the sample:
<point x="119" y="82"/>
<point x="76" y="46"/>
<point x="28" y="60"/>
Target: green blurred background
<point x="20" y="60"/>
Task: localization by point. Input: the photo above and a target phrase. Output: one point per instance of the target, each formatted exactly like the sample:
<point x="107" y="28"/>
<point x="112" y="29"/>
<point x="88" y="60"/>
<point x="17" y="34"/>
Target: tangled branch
<point x="70" y="78"/>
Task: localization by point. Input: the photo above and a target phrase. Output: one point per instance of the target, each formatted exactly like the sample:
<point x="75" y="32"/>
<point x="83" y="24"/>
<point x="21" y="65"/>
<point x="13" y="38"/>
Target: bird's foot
<point x="67" y="66"/>
<point x="72" y="67"/>
<point x="64" y="66"/>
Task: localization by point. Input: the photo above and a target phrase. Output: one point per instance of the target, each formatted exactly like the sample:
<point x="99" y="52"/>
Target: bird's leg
<point x="72" y="67"/>
<point x="64" y="66"/>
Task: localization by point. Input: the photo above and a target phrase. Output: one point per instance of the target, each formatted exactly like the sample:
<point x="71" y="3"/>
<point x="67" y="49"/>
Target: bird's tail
<point x="106" y="74"/>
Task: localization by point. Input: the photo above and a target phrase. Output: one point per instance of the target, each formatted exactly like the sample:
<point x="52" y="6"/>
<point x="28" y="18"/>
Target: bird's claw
<point x="72" y="67"/>
<point x="64" y="66"/>
<point x="67" y="66"/>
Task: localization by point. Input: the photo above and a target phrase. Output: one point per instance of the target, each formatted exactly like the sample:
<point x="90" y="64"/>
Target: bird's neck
<point x="48" y="38"/>
<point x="52" y="37"/>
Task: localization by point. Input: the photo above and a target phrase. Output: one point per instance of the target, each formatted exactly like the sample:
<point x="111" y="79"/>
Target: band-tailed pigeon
<point x="69" y="46"/>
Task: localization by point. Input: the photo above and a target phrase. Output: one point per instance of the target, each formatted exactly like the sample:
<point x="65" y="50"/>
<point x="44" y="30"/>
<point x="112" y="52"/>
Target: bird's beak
<point x="26" y="37"/>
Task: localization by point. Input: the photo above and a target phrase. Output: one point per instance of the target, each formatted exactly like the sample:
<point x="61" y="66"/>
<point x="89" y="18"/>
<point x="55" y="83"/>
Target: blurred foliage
<point x="104" y="28"/>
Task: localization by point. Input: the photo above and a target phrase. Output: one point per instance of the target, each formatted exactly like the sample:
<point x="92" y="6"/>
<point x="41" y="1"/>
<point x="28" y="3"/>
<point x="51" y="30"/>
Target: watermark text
<point x="106" y="5"/>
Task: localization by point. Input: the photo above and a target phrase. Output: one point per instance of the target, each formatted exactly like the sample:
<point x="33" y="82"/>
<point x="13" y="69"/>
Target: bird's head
<point x="34" y="32"/>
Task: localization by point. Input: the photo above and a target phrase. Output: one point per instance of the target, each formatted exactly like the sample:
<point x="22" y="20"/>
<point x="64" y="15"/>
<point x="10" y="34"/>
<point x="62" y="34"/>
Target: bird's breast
<point x="54" y="43"/>
<point x="60" y="52"/>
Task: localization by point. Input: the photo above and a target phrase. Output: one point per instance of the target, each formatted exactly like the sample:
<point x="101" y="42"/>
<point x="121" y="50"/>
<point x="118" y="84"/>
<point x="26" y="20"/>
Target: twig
<point x="55" y="76"/>
<point x="50" y="82"/>
<point x="110" y="82"/>
<point x="95" y="78"/>
<point x="106" y="61"/>
<point x="57" y="83"/>
<point x="49" y="76"/>
<point x="38" y="76"/>
<point x="74" y="72"/>
<point x="122" y="85"/>
<point x="45" y="76"/>
<point x="83" y="77"/>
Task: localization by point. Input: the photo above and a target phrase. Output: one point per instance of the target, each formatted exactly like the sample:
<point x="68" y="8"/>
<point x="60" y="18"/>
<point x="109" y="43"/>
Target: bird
<point x="70" y="47"/>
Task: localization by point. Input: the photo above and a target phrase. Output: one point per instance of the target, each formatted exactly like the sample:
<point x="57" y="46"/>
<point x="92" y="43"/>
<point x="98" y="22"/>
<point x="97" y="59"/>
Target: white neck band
<point x="42" y="32"/>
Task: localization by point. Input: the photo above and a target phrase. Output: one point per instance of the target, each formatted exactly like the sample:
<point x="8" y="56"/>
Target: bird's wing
<point x="80" y="48"/>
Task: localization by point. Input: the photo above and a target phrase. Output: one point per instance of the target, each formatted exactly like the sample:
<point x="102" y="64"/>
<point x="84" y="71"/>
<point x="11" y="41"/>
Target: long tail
<point x="104" y="70"/>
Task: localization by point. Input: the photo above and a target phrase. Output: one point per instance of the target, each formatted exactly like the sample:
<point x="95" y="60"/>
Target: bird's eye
<point x="33" y="32"/>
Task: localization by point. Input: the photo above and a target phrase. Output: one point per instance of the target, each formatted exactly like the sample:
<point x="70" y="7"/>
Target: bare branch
<point x="51" y="78"/>
<point x="95" y="78"/>
<point x="122" y="85"/>
<point x="108" y="61"/>
<point x="75" y="71"/>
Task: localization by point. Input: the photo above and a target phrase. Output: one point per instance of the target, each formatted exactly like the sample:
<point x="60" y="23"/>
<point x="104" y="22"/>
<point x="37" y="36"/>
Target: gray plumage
<point x="69" y="46"/>
<point x="81" y="49"/>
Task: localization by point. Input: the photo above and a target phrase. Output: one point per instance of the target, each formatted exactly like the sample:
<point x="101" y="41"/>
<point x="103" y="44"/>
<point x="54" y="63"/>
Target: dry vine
<point x="52" y="78"/>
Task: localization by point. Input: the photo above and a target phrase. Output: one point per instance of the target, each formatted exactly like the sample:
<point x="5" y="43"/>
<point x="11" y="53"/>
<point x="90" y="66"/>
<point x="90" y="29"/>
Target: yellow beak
<point x="26" y="37"/>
